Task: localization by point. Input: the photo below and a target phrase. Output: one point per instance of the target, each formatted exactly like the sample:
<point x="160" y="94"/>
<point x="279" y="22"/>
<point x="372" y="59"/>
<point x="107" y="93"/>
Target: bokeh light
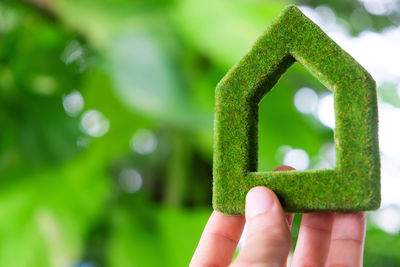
<point x="306" y="100"/>
<point x="143" y="142"/>
<point x="297" y="158"/>
<point x="388" y="219"/>
<point x="326" y="111"/>
<point x="398" y="89"/>
<point x="73" y="103"/>
<point x="85" y="194"/>
<point x="380" y="7"/>
<point x="94" y="123"/>
<point x="130" y="180"/>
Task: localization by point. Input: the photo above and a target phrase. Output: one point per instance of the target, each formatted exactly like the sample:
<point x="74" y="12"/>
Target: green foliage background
<point x="143" y="64"/>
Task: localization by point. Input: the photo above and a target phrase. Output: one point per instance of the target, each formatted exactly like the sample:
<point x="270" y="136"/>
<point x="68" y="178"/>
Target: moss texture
<point x="354" y="185"/>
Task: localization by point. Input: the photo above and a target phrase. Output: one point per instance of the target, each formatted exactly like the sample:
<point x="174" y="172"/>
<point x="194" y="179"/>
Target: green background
<point x="136" y="65"/>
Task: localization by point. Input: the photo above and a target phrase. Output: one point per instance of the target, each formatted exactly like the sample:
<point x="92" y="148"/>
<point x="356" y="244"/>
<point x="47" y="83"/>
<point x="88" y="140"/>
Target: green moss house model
<point x="354" y="185"/>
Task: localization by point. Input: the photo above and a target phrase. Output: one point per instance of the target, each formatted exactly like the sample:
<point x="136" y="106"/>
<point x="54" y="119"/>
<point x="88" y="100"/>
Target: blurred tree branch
<point x="43" y="7"/>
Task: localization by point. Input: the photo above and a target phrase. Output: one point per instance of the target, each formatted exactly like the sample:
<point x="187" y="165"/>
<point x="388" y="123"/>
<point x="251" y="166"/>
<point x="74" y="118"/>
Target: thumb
<point x="268" y="237"/>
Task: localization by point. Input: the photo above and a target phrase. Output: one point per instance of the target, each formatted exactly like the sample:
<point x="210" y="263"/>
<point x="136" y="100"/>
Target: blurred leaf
<point x="230" y="28"/>
<point x="140" y="64"/>
<point x="168" y="238"/>
<point x="389" y="94"/>
<point x="381" y="249"/>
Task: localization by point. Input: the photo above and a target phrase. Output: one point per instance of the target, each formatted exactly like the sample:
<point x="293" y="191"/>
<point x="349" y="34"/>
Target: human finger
<point x="312" y="245"/>
<point x="218" y="241"/>
<point x="289" y="217"/>
<point x="347" y="240"/>
<point x="268" y="237"/>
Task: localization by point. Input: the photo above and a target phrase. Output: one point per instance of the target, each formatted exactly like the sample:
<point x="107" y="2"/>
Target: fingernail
<point x="258" y="200"/>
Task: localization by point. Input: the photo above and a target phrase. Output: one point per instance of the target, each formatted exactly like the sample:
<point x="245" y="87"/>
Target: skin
<point x="325" y="239"/>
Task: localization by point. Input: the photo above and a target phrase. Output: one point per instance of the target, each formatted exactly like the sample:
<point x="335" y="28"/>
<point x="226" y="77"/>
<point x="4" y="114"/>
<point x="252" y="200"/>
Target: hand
<point x="325" y="239"/>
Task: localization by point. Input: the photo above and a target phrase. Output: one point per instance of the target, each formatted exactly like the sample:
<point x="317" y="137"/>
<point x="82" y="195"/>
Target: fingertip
<point x="219" y="217"/>
<point x="259" y="200"/>
<point x="283" y="168"/>
<point x="260" y="190"/>
<point x="268" y="238"/>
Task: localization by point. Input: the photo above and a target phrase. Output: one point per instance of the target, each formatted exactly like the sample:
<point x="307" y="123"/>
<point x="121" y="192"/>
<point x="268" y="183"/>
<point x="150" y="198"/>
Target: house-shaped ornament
<point x="354" y="185"/>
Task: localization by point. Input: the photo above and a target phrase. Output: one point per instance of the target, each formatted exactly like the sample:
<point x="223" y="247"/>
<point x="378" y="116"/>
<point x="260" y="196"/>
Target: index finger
<point x="218" y="241"/>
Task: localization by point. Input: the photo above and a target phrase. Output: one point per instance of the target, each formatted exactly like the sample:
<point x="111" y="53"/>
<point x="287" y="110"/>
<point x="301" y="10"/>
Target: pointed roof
<point x="354" y="184"/>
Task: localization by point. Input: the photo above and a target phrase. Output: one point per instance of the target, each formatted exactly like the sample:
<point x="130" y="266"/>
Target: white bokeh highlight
<point x="297" y="158"/>
<point x="388" y="219"/>
<point x="327" y="157"/>
<point x="378" y="53"/>
<point x="94" y="123"/>
<point x="74" y="52"/>
<point x="130" y="180"/>
<point x="143" y="142"/>
<point x="380" y="7"/>
<point x="326" y="110"/>
<point x="375" y="51"/>
<point x="306" y="100"/>
<point x="73" y="103"/>
<point x="398" y="90"/>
